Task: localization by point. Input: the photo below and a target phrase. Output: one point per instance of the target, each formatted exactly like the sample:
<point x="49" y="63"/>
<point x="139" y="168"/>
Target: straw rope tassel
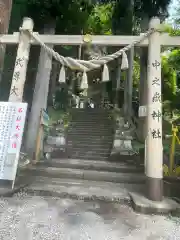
<point x="124" y="64"/>
<point x="62" y="75"/>
<point x="105" y="74"/>
<point x="84" y="82"/>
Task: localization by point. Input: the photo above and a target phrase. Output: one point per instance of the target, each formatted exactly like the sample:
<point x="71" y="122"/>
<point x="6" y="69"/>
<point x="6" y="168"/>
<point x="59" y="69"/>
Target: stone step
<point x="98" y="144"/>
<point x="93" y="165"/>
<point x="89" y="151"/>
<point x="92" y="114"/>
<point x="90" y="157"/>
<point x="94" y="122"/>
<point x="92" y="145"/>
<point x="85" y="174"/>
<point x="95" y="140"/>
<point x="89" y="147"/>
<point x="98" y="112"/>
<point x="91" y="111"/>
<point x="106" y="116"/>
<point x="82" y="189"/>
<point x="91" y="142"/>
<point x="91" y="127"/>
<point x="90" y="137"/>
<point x="102" y="115"/>
<point x="88" y="142"/>
<point x="90" y="131"/>
<point x="91" y="120"/>
<point x="56" y="153"/>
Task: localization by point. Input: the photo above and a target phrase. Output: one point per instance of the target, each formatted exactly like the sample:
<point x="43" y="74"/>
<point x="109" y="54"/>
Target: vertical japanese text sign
<point x="12" y="120"/>
<point x="154" y="116"/>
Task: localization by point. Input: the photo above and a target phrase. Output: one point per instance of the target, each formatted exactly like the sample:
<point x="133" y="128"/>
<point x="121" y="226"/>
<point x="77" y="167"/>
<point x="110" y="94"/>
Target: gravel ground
<point x="35" y="218"/>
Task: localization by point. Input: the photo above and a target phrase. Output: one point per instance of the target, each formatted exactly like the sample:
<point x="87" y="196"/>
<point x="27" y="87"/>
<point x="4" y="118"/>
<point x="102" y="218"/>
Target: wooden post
<point x="154" y="153"/>
<point x="19" y="75"/>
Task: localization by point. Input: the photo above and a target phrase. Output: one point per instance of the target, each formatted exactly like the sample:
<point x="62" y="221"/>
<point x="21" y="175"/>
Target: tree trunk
<point x="40" y="95"/>
<point x="5" y="14"/>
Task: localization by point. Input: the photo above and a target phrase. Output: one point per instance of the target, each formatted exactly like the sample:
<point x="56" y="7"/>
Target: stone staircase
<point x="85" y="179"/>
<point x="90" y="135"/>
<point x="88" y="172"/>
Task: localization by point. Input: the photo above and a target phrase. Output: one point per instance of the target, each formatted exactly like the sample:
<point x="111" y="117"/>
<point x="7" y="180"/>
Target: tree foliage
<point x="122" y="17"/>
<point x="127" y="13"/>
<point x="70" y="15"/>
<point x="110" y="17"/>
<point x="151" y="8"/>
<point x="100" y="19"/>
<point x="136" y="73"/>
<point x="169" y="86"/>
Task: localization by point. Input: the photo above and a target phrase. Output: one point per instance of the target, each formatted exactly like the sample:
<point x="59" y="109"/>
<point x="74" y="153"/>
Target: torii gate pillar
<point x="154" y="147"/>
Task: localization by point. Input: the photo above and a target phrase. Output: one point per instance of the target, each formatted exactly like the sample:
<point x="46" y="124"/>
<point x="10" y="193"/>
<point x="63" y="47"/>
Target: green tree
<point x="169" y="86"/>
<point x="100" y="19"/>
<point x="128" y="13"/>
<point x="123" y="17"/>
<point x="151" y="8"/>
<point x="136" y="73"/>
<point x="70" y="16"/>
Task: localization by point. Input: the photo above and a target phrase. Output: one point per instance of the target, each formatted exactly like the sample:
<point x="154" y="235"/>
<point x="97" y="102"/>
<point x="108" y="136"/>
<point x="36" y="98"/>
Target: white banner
<point x="12" y="120"/>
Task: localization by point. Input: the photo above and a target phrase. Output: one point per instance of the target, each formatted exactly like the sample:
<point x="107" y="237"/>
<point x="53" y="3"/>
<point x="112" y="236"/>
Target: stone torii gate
<point x="154" y="41"/>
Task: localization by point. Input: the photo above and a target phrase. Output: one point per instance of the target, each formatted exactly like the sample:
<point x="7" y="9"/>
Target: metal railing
<point x="172" y="169"/>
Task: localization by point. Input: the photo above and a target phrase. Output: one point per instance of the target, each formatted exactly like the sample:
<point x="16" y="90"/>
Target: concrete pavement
<point x="34" y="218"/>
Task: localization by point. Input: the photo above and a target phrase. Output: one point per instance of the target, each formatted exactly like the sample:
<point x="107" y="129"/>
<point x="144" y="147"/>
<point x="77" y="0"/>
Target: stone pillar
<point x="40" y="95"/>
<point x="20" y="68"/>
<point x="154" y="148"/>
